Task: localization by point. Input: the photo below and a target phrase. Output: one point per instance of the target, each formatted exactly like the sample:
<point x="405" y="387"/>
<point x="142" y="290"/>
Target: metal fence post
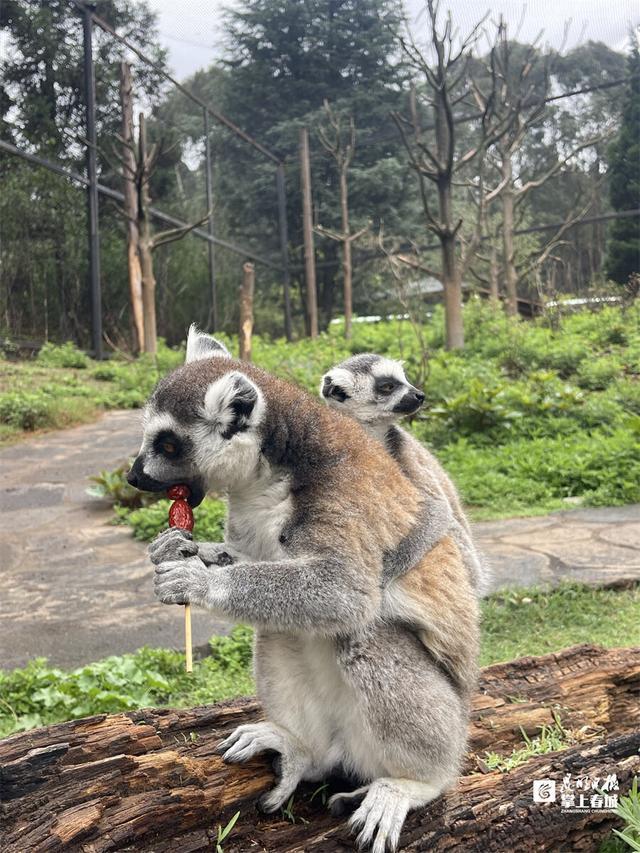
<point x="92" y="188"/>
<point x="212" y="258"/>
<point x="284" y="248"/>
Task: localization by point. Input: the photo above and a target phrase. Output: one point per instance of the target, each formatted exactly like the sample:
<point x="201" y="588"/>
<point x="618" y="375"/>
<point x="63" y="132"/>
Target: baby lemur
<point x="350" y="675"/>
<point x="375" y="391"/>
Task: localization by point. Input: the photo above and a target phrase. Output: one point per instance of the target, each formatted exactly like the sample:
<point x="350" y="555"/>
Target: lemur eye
<point x="169" y="448"/>
<point x="386" y="387"/>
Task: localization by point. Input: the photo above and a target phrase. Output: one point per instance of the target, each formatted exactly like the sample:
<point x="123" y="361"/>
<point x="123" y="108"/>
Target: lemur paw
<point x="172" y="544"/>
<point x="254" y="738"/>
<point x="184" y="581"/>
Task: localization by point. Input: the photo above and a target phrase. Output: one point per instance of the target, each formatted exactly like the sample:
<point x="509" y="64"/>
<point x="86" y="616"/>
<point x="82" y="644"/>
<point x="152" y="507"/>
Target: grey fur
<point x="361" y="363"/>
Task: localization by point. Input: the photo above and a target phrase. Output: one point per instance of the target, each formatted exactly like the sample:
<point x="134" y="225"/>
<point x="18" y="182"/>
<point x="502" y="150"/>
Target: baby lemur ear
<point x="200" y="345"/>
<point x="330" y="389"/>
<point x="234" y="404"/>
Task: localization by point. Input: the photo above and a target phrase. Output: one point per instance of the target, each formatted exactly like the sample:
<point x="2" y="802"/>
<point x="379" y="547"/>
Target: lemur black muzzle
<point x="410" y="402"/>
<point x="137" y="478"/>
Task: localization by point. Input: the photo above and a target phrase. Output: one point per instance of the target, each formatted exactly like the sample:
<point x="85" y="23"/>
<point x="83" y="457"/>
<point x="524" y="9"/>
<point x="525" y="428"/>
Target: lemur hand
<point x="172" y="544"/>
<point x="183" y="581"/>
<point x="214" y="554"/>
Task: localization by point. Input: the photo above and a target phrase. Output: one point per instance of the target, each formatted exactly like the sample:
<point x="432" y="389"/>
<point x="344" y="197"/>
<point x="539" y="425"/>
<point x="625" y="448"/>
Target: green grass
<point x="550" y="739"/>
<point x="62" y="387"/>
<point x="529" y="622"/>
<point x="535" y="622"/>
<point x="532" y="416"/>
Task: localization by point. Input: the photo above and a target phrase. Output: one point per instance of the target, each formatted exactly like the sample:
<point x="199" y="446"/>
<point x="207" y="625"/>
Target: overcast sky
<point x="191" y="28"/>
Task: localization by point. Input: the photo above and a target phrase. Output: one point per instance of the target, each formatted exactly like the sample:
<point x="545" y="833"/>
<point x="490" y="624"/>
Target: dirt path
<point x="77" y="589"/>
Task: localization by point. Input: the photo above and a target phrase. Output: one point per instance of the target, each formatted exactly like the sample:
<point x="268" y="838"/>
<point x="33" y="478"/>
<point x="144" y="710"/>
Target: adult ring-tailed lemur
<point x="351" y="675"/>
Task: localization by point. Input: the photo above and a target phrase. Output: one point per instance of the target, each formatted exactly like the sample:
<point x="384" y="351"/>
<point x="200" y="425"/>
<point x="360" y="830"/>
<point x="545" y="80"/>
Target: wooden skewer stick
<point x="181" y="515"/>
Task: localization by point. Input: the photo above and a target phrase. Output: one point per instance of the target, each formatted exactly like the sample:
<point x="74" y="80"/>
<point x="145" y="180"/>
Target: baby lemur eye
<point x="386" y="387"/>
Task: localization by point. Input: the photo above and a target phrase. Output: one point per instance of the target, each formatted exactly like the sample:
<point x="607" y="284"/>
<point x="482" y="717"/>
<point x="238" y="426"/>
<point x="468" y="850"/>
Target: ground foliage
<point x="520" y="622"/>
<point x="530" y="417"/>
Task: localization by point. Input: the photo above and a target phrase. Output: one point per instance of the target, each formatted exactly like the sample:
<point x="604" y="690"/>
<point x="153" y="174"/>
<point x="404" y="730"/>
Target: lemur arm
<point x="321" y="594"/>
<point x="433" y="522"/>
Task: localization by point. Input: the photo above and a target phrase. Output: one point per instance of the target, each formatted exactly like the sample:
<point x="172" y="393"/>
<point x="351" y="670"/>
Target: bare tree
<point x="138" y="168"/>
<point x="520" y="104"/>
<point x="341" y="148"/>
<point x="247" y="289"/>
<point x="439" y="162"/>
<point x="307" y="233"/>
<point x="131" y="204"/>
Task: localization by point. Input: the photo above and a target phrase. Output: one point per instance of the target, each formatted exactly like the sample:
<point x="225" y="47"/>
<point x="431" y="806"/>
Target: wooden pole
<point x="307" y="230"/>
<point x="131" y="202"/>
<point x="246" y="310"/>
<point x="188" y="642"/>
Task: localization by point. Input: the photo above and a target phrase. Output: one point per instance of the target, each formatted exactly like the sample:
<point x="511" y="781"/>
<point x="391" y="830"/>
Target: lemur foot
<point x="254" y="738"/>
<point x="381" y="815"/>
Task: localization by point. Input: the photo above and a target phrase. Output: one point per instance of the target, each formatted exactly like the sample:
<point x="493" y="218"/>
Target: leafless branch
<point x="172" y="234"/>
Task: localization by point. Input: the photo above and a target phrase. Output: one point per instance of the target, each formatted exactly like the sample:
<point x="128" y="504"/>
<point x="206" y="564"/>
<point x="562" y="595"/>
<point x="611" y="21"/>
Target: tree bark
<point x="494" y="275"/>
<point x="508" y="249"/>
<point x="131" y="204"/>
<point x="145" y="246"/>
<point x="150" y="780"/>
<point x="246" y="311"/>
<point x="346" y="251"/>
<point x="307" y="229"/>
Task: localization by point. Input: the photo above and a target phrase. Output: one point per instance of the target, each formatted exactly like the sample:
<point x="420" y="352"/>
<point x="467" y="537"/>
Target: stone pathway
<point x="76" y="589"/>
<point x="600" y="545"/>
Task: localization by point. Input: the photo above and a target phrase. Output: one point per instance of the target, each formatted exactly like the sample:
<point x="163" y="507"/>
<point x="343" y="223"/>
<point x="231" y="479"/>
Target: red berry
<point x="176" y="492"/>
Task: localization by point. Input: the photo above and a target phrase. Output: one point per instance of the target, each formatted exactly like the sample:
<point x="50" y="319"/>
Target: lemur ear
<point x="234" y="404"/>
<point x="200" y="345"/>
<point x="330" y="389"/>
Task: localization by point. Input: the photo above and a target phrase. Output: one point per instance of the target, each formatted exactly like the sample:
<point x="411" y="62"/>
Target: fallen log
<point x="150" y="781"/>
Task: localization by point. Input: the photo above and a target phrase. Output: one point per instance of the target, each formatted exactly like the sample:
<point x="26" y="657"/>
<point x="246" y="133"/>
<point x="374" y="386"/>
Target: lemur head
<point x="370" y="388"/>
<point x="201" y="424"/>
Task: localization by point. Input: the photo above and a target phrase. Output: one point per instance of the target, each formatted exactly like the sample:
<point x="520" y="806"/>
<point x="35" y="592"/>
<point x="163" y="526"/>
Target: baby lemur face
<point x="370" y="388"/>
<point x="201" y="425"/>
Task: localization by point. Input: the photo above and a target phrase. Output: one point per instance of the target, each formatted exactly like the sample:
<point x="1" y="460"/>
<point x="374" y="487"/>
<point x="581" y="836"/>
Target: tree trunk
<point x="508" y="219"/>
<point x="327" y="291"/>
<point x="151" y="781"/>
<point x="346" y="251"/>
<point x="307" y="228"/>
<point x="131" y="204"/>
<point x="145" y="246"/>
<point x="452" y="293"/>
<point x="494" y="274"/>
<point x="246" y="311"/>
<point x="451" y="278"/>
